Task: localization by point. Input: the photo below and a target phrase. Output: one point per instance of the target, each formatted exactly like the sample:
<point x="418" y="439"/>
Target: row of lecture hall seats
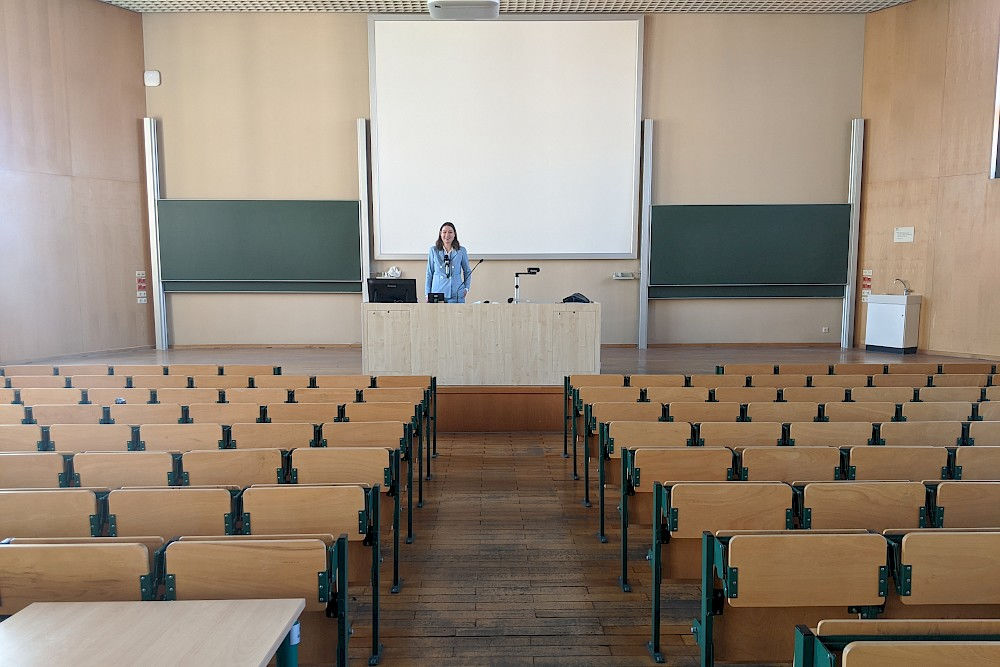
<point x="186" y="396"/>
<point x="242" y="503"/>
<point x="142" y="369"/>
<point x="885" y="456"/>
<point x="161" y="381"/>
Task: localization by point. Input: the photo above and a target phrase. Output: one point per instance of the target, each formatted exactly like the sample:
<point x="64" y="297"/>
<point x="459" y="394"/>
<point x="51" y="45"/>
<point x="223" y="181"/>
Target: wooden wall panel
<point x="33" y="115"/>
<point x="929" y="85"/>
<point x="471" y="409"/>
<point x="71" y="217"/>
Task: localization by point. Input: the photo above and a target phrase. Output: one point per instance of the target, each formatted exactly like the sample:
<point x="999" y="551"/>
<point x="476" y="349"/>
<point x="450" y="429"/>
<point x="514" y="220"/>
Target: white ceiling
<point x="517" y="6"/>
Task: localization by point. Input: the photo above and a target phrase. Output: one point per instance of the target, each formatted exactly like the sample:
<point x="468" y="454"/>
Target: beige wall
<point x="71" y="217"/>
<point x="929" y="85"/>
<point x="747" y="109"/>
<point x="751" y="109"/>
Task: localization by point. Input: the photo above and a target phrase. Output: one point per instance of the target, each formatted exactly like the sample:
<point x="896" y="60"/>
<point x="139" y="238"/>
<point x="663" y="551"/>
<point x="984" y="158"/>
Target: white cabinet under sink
<point x="893" y="322"/>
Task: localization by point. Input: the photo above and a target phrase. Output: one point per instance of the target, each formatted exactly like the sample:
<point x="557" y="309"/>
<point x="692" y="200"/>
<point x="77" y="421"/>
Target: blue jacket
<point x="450" y="277"/>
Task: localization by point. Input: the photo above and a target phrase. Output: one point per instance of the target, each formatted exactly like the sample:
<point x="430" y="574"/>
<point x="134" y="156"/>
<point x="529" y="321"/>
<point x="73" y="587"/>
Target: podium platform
<point x="482" y="344"/>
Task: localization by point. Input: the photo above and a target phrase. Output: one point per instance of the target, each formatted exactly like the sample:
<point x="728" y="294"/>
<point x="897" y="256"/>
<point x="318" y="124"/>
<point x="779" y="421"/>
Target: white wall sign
<point x="902" y="235"/>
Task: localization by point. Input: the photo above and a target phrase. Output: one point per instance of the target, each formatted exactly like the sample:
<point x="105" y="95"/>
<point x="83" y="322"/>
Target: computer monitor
<point x="392" y="290"/>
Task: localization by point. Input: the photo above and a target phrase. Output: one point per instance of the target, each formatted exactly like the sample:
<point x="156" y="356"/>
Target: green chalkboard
<point x="781" y="250"/>
<point x="259" y="246"/>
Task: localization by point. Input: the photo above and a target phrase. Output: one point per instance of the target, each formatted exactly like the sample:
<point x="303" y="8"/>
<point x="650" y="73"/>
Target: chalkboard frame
<point x="749" y="251"/>
<point x="208" y="245"/>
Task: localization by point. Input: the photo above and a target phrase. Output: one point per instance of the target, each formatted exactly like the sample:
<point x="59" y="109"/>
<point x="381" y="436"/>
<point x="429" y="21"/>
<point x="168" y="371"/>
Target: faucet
<point x="906" y="288"/>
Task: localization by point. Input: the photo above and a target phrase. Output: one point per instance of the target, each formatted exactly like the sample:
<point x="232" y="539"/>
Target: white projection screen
<point x="523" y="133"/>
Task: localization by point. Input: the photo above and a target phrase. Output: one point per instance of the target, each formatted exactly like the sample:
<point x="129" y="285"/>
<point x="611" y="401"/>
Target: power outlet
<point x="825" y="329"/>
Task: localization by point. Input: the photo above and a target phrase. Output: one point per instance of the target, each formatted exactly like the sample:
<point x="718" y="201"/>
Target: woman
<point x="448" y="266"/>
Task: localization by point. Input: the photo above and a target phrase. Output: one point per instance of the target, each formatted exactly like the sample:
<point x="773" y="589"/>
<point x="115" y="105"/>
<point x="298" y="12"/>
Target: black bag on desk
<point x="576" y="297"/>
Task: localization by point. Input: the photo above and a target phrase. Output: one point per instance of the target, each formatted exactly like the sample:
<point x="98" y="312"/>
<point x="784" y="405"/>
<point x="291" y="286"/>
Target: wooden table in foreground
<point x="202" y="632"/>
<point x="482" y="343"/>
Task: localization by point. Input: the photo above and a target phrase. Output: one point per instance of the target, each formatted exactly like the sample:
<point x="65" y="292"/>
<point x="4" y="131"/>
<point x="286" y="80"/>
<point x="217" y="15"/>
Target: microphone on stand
<point x="476" y="266"/>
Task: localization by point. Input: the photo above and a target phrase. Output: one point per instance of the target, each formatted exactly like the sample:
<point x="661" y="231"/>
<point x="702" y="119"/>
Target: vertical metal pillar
<point x="365" y="204"/>
<point x="645" y="224"/>
<point x="854" y="199"/>
<point x="151" y="143"/>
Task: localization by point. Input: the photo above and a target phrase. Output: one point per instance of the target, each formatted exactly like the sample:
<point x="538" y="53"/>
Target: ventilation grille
<point x="519" y="6"/>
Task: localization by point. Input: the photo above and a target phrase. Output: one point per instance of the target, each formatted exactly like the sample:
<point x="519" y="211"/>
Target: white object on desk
<point x="893" y="322"/>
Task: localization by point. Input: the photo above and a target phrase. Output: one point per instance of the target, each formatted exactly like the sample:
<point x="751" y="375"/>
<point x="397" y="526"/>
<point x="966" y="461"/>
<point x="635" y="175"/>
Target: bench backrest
<point x="170" y="512"/>
<point x="744" y="394"/>
<point x="868" y="505"/>
<point x="116" y="469"/>
<point x="238" y="467"/>
<point x="690" y="464"/>
<point x="913" y="464"/>
<point x="783" y="412"/>
<point x="180" y="437"/>
<point x="874" y="411"/>
<point x="71" y="573"/>
<point x="282" y="381"/>
<point x="50" y="396"/>
<point x="248" y="569"/>
<point x="270" y="436"/>
<point x="31" y="470"/>
<point x="46" y="415"/>
<point x="330" y="395"/>
<point x="58" y="513"/>
<point x="704" y="412"/>
<point x="159" y="381"/>
<point x="108" y="395"/>
<point x="842" y="381"/>
<point x="375" y="433"/>
<point x="349" y="381"/>
<point x="938" y="411"/>
<point x="223" y="413"/>
<point x="882" y="394"/>
<point x="711" y="506"/>
<point x="786" y="380"/>
<point x="234" y="381"/>
<point x="187" y="396"/>
<point x="807" y="570"/>
<point x="150" y="413"/>
<point x="656" y="380"/>
<point x="740" y="434"/>
<point x="787" y="464"/>
<point x="304" y="509"/>
<point x="969" y="504"/>
<point x="20" y="437"/>
<point x="378" y="412"/>
<point x="942" y="433"/>
<point x="965" y="394"/>
<point x="341" y="465"/>
<point x="90" y="437"/>
<point x="671" y="394"/>
<point x="978" y="463"/>
<point x="951" y="568"/>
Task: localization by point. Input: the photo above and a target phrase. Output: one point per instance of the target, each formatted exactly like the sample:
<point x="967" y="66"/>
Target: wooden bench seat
<point x="62" y="396"/>
<point x="714" y="381"/>
<point x="250" y="369"/>
<point x="46" y="415"/>
<point x="740" y="434"/>
<point x="160" y="381"/>
<point x="110" y="395"/>
<point x="98" y="381"/>
<point x="646" y="380"/>
<point x="225" y="382"/>
<point x="36" y="381"/>
<point x="703" y="412"/>
<point x="938" y="411"/>
<point x="901" y="380"/>
<point x="851" y="368"/>
<point x="966" y="394"/>
<point x="187" y="396"/>
<point x="282" y="381"/>
<point x="840" y="381"/>
<point x="740" y="395"/>
<point x="785" y="380"/>
<point x="313" y="413"/>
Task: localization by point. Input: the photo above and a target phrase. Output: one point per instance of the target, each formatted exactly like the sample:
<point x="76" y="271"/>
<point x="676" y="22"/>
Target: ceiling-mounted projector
<point x="464" y="10"/>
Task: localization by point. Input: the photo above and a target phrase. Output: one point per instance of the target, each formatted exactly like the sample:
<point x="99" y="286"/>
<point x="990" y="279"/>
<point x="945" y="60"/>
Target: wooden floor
<point x="506" y="569"/>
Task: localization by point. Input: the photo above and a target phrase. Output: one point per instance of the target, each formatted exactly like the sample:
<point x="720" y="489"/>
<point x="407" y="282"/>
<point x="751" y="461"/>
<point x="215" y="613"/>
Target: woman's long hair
<point x="439" y="244"/>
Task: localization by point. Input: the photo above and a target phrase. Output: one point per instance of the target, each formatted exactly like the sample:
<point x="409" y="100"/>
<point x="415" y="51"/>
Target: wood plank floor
<point x="506" y="569"/>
